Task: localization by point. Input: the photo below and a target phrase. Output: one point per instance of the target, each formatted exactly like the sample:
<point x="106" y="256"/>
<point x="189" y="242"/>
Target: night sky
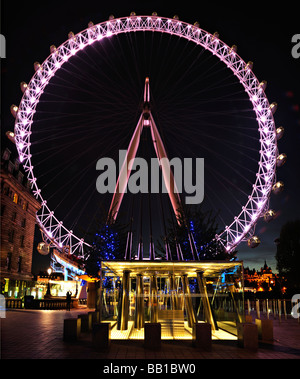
<point x="262" y="36"/>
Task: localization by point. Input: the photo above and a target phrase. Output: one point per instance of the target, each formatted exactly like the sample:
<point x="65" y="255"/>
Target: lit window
<point x="16" y="198"/>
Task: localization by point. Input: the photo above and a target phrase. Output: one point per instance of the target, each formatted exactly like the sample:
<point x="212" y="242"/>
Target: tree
<point x="288" y="253"/>
<point x="109" y="244"/>
<point x="198" y="228"/>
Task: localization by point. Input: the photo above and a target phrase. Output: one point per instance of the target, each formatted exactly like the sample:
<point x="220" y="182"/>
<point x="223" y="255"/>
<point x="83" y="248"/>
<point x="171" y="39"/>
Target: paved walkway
<point x="30" y="334"/>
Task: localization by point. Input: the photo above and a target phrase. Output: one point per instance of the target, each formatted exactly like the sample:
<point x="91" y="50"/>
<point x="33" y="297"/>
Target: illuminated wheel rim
<point x="243" y="225"/>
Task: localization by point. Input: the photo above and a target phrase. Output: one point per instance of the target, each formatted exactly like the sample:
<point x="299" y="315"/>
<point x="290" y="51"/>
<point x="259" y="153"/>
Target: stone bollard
<point x="72" y="328"/>
<point x="101" y="336"/>
<point x="93" y="315"/>
<point x="86" y="323"/>
<point x="202" y="336"/>
<point x="152" y="336"/>
<point x="247" y="336"/>
<point x="248" y="319"/>
<point x="265" y="330"/>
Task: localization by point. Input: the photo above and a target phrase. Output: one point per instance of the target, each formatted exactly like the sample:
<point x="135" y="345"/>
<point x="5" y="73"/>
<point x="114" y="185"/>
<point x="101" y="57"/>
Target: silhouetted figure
<point x="69" y="300"/>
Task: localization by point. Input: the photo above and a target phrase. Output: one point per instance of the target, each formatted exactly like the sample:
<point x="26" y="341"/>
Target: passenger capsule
<point x="37" y="66"/>
<point x="196" y="24"/>
<point x="14" y="110"/>
<point x="90" y="24"/>
<point x="52" y="49"/>
<point x="281" y="160"/>
<point x="269" y="216"/>
<point x="11" y="136"/>
<point x="111" y="17"/>
<point x="273" y="107"/>
<point x="249" y="66"/>
<point x="254" y="242"/>
<point x="71" y="35"/>
<point x="176" y="17"/>
<point x="43" y="248"/>
<point x="280" y="132"/>
<point x="215" y="36"/>
<point x="278" y="188"/>
<point x="133" y="14"/>
<point x="263" y="85"/>
<point x="154" y="14"/>
<point x="233" y="49"/>
<point x="23" y="86"/>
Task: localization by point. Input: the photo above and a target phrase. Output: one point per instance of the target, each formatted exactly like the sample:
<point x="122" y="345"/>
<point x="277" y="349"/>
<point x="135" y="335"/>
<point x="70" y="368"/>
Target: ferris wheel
<point x="242" y="226"/>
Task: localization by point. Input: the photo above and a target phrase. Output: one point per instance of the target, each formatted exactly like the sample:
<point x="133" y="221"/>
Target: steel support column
<point x="139" y="303"/>
<point x="206" y="304"/>
<point x="188" y="301"/>
<point x="124" y="312"/>
<point x="153" y="300"/>
<point x="173" y="292"/>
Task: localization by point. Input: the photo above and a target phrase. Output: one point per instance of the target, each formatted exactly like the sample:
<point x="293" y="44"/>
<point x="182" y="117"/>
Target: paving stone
<point x="27" y="334"/>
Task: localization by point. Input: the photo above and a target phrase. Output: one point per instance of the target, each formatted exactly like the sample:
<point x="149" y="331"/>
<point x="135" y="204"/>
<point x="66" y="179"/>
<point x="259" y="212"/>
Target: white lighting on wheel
<point x="263" y="119"/>
<point x="254" y="217"/>
<point x="20" y="146"/>
<point x="243" y="72"/>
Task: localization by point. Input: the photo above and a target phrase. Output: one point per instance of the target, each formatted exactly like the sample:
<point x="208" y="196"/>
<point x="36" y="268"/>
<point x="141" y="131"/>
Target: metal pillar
<point x="188" y="301"/>
<point x="139" y="303"/>
<point x="153" y="300"/>
<point x="231" y="289"/>
<point x="173" y="292"/>
<point x="124" y="312"/>
<point x="146" y="120"/>
<point x="206" y="304"/>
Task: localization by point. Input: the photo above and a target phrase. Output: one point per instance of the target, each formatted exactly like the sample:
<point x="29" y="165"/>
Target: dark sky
<point x="263" y="35"/>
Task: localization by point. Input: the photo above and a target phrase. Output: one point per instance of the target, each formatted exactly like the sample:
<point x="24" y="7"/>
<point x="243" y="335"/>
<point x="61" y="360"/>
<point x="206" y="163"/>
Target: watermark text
<point x="182" y="179"/>
<point x="296" y="47"/>
<point x="296" y="308"/>
<point x="2" y="46"/>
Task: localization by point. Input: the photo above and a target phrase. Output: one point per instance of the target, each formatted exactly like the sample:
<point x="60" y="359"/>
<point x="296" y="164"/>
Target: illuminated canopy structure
<point x="162" y="291"/>
<point x="242" y="226"/>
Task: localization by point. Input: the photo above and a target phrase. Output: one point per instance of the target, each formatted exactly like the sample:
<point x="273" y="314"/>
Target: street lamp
<point x="76" y="293"/>
<point x="49" y="271"/>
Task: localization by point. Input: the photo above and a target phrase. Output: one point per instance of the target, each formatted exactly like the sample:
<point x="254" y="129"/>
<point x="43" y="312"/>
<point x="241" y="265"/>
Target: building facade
<point x="263" y="280"/>
<point x="18" y="219"/>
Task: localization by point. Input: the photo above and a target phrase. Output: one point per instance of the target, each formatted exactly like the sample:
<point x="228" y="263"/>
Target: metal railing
<point x="279" y="309"/>
<point x="14" y="303"/>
